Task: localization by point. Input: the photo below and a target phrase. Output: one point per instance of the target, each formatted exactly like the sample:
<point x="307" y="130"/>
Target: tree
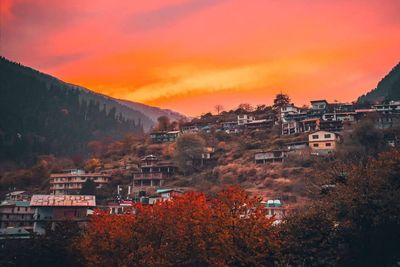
<point x="245" y="107"/>
<point x="163" y="123"/>
<point x="230" y="229"/>
<point x="218" y="108"/>
<point x="357" y="223"/>
<point x="88" y="187"/>
<point x="280" y="101"/>
<point x="188" y="148"/>
<point x="369" y="137"/>
<point x="92" y="164"/>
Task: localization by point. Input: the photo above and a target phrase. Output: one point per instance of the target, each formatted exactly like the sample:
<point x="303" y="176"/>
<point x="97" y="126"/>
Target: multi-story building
<point x="331" y="126"/>
<point x="323" y="142"/>
<point x="287" y="110"/>
<point x="161" y="137"/>
<point x="71" y="182"/>
<point x="18" y="196"/>
<point x="16" y="214"/>
<point x="153" y="172"/>
<point x="339" y="116"/>
<point x="292" y="127"/>
<point x="389" y="108"/>
<point x="243" y="119"/>
<point x="319" y="105"/>
<point x="50" y="209"/>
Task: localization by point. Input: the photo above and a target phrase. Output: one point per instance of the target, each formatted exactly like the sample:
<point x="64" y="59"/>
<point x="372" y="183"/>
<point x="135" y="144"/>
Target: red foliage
<point x="191" y="230"/>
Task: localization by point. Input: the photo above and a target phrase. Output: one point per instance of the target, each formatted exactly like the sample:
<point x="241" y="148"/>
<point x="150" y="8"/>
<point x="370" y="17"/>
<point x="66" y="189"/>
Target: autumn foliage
<point x="193" y="230"/>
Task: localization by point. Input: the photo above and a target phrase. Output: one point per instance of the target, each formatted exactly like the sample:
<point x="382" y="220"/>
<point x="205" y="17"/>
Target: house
<point x="393" y="107"/>
<point x="14" y="233"/>
<point x="153" y="172"/>
<point x="190" y="128"/>
<point x="50" y="209"/>
<point x="71" y="182"/>
<point x="331" y="126"/>
<point x="323" y="142"/>
<point x="309" y="125"/>
<point x="296" y="117"/>
<point x="164" y="136"/>
<point x="339" y="116"/>
<point x="270" y="156"/>
<point x="298" y="145"/>
<point x="18" y="196"/>
<point x="290" y="109"/>
<point x="16" y="213"/>
<point x="275" y="209"/>
<point x="292" y="127"/>
<point x="122" y="207"/>
<point x="206" y="158"/>
<point x="242" y="119"/>
<point x="319" y="105"/>
<point x="230" y="126"/>
<point x="168" y="193"/>
<point x="259" y="124"/>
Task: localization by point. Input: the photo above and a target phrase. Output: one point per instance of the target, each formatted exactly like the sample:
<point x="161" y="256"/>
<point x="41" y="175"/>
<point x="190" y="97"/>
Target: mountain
<point x="40" y="114"/>
<point x="152" y="112"/>
<point x="387" y="89"/>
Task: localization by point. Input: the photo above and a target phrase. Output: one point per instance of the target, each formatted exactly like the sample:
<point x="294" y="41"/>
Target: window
<point x="328" y="144"/>
<point x="315" y="136"/>
<point x="327" y="135"/>
<point x="315" y="145"/>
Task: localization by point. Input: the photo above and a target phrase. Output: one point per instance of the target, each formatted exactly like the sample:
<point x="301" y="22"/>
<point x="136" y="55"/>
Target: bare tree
<point x="218" y="108"/>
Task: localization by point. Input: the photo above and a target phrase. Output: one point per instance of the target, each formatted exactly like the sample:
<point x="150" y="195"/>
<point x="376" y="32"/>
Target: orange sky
<point x="189" y="55"/>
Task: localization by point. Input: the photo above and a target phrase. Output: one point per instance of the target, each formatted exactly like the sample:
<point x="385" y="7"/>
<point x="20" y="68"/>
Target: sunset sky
<point x="189" y="55"/>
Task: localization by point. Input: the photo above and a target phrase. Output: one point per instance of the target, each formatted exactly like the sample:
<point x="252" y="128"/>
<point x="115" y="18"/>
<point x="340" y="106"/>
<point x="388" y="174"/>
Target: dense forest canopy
<point x="41" y="115"/>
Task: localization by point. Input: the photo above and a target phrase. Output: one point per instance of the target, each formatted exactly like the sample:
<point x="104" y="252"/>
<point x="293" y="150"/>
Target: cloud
<point x="169" y="14"/>
<point x="53" y="62"/>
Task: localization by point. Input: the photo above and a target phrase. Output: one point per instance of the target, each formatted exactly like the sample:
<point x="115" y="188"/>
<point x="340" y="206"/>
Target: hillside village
<point x="273" y="152"/>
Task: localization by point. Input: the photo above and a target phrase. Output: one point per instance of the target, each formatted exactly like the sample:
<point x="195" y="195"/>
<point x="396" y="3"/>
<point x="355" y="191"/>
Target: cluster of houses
<point x="323" y="122"/>
<point x="230" y="123"/>
<point x="333" y="117"/>
<point x="22" y="214"/>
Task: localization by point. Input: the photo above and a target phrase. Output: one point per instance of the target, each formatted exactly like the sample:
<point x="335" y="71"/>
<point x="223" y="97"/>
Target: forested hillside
<point x="387" y="89"/>
<point x="41" y="115"/>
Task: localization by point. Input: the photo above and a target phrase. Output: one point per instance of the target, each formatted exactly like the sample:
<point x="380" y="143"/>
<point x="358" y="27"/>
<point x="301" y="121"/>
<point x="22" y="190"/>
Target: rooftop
<point x="63" y="201"/>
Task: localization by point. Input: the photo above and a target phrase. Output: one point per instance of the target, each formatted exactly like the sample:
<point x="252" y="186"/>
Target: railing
<point x="156" y="175"/>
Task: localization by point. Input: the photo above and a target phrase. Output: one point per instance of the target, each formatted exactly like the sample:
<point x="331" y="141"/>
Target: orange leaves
<point x="229" y="229"/>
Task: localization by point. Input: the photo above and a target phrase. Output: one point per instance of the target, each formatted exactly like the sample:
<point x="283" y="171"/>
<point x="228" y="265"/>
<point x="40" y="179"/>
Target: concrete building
<point x="18" y="196"/>
<point x="71" y="182"/>
<point x="153" y="172"/>
<point x="162" y="137"/>
<point x="16" y="214"/>
<point x="270" y="156"/>
<point x="393" y="107"/>
<point x="50" y="209"/>
<point x="323" y="142"/>
<point x="319" y="105"/>
<point x="243" y="119"/>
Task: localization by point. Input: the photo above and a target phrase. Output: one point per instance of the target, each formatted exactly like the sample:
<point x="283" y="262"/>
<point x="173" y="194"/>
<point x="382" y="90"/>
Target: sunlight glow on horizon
<point x="189" y="55"/>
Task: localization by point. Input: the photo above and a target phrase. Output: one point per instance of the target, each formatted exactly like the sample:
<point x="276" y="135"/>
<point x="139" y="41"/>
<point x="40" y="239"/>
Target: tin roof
<point x="15" y="193"/>
<point x="63" y="201"/>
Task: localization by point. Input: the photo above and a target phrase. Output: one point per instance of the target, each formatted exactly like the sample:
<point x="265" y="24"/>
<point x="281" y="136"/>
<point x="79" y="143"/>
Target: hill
<point x="152" y="112"/>
<point x="387" y="89"/>
<point x="40" y="114"/>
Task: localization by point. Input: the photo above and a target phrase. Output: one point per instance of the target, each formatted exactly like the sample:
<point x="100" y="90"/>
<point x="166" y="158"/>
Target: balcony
<point x="149" y="176"/>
